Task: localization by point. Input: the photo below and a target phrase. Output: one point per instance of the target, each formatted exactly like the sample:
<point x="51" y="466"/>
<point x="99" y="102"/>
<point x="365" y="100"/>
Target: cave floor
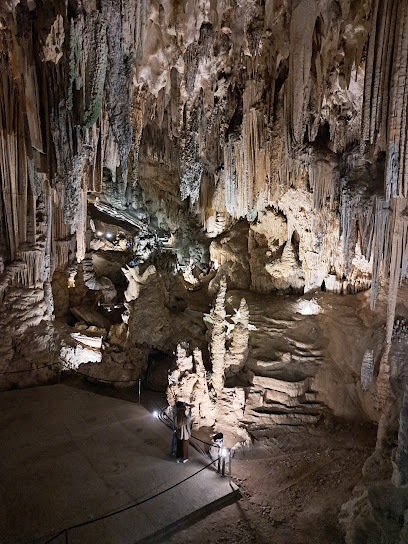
<point x="68" y="456"/>
<point x="293" y="483"/>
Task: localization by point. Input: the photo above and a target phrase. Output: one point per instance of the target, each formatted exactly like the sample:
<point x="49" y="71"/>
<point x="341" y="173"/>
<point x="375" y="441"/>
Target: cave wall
<point x="191" y="114"/>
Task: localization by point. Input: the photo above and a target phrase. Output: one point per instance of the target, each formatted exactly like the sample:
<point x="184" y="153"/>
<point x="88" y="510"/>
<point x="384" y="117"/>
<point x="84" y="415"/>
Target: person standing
<point x="183" y="432"/>
<point x="174" y="409"/>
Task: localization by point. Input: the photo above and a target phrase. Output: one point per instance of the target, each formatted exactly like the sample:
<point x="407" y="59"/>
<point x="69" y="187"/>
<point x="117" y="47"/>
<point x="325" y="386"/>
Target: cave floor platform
<point x="68" y="456"/>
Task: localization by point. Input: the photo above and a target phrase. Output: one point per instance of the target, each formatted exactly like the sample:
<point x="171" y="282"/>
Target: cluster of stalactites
<point x="385" y="126"/>
<point x="64" y="122"/>
<point x="386" y="91"/>
<point x="36" y="240"/>
<point x="238" y="110"/>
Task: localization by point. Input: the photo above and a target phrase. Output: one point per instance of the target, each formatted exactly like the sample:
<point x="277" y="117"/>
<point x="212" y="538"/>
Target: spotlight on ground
<point x="156" y="414"/>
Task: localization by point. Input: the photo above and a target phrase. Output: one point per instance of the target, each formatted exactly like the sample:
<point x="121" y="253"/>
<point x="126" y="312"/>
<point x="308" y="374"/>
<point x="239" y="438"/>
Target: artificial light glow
<point x="224" y="452"/>
<point x="99" y="233"/>
<point x="71" y="280"/>
<point x="156" y="414"/>
<point x="108" y="235"/>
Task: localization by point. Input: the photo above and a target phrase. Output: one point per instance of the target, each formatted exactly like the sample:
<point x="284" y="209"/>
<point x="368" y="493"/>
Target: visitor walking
<point x="183" y="432"/>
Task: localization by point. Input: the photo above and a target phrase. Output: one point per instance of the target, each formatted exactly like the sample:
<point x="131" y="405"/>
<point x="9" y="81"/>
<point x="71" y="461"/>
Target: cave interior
<point x="209" y="198"/>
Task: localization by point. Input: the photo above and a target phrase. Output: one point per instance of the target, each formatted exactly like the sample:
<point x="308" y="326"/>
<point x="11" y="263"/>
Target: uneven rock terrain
<point x="293" y="484"/>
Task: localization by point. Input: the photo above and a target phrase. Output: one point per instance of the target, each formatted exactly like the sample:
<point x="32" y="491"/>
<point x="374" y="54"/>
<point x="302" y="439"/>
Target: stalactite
<point x="247" y="160"/>
<point x="140" y="24"/>
<point x="381" y="222"/>
<point x="230" y="177"/>
<point x="81" y="228"/>
<point x="118" y="81"/>
<point x="301" y="31"/>
<point x="33" y="260"/>
<point x="396" y="245"/>
<point x="323" y="181"/>
<point x="96" y="47"/>
<point x="10" y="148"/>
<point x="386" y="91"/>
<point x="349" y="206"/>
<point x="191" y="166"/>
<point x="60" y="238"/>
<point x="397" y="152"/>
<point x="366" y="228"/>
<point x="46" y="242"/>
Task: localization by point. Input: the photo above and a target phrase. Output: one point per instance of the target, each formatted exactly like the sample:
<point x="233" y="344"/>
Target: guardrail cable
<point x="126" y="508"/>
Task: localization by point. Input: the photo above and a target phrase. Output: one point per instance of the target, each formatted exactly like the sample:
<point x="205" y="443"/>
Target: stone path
<point x="68" y="456"/>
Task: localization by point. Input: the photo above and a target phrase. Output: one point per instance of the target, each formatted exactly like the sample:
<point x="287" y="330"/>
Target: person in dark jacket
<point x="174" y="409"/>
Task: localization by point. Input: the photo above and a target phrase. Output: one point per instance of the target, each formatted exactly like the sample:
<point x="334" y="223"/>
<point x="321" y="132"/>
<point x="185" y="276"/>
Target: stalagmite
<point x="238" y="352"/>
<point x="218" y="337"/>
<point x="203" y="410"/>
<point x="183" y="379"/>
<point x="367" y="368"/>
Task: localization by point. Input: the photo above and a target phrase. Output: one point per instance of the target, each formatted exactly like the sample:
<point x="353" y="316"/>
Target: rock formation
<point x="215" y="403"/>
<point x="259" y="148"/>
<point x="218" y="338"/>
<point x="188" y="383"/>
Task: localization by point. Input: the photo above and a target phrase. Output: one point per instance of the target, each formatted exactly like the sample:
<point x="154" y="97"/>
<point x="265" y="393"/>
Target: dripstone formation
<point x="218" y="183"/>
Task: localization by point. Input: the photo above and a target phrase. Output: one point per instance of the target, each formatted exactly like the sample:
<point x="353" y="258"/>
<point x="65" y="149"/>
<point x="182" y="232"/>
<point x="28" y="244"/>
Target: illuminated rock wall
<point x="166" y="114"/>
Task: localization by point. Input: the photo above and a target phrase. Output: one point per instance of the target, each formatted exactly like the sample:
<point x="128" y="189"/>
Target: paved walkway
<point x="68" y="456"/>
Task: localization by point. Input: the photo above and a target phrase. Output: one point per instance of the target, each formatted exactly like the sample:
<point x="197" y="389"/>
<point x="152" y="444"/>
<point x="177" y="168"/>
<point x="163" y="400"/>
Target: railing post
<point x="229" y="466"/>
<point x="220" y="447"/>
